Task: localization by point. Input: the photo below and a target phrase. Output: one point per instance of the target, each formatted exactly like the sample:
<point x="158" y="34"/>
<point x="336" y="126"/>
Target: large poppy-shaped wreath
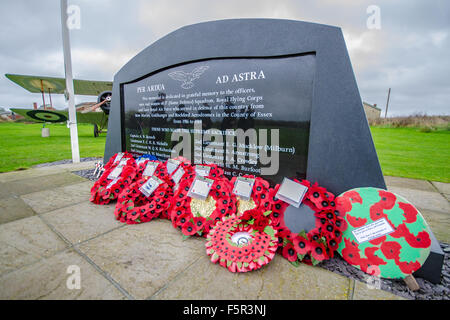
<point x="196" y="217"/>
<point x="134" y="207"/>
<point x="104" y="191"/>
<point x="319" y="243"/>
<point x="238" y="246"/>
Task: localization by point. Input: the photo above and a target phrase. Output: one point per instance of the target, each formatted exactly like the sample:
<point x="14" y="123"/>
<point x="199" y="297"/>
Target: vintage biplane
<point x="96" y="114"/>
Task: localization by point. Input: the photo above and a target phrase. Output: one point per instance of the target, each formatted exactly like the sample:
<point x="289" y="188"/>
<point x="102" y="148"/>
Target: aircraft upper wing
<point x="35" y="84"/>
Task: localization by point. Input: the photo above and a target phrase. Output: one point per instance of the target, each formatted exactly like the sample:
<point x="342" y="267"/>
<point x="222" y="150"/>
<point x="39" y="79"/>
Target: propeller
<point x="97" y="105"/>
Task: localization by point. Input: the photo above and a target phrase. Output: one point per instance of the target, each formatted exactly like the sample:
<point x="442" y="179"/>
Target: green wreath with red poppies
<point x="318" y="244"/>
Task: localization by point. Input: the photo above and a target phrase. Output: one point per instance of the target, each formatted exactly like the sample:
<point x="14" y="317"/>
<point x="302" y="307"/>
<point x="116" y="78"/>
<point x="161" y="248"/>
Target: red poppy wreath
<point x="133" y="206"/>
<point x="115" y="159"/>
<point x="113" y="181"/>
<point x="195" y="216"/>
<point x="318" y="244"/>
<point x="238" y="246"/>
<point x="185" y="171"/>
<point x="258" y="202"/>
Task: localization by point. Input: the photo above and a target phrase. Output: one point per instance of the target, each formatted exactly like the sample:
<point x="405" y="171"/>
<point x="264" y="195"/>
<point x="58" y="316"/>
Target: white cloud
<point x="438" y="38"/>
<point x="409" y="53"/>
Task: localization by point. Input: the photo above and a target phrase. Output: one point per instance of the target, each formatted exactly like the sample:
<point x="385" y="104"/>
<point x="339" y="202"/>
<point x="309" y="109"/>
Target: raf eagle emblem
<point x="188" y="77"/>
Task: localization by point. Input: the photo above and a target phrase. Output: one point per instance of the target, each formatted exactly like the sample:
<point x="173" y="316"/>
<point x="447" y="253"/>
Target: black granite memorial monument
<point x="268" y="97"/>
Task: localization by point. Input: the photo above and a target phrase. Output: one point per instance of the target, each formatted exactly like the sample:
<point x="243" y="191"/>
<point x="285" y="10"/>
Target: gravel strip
<point x="427" y="291"/>
<point x="63" y="162"/>
<point x="88" y="174"/>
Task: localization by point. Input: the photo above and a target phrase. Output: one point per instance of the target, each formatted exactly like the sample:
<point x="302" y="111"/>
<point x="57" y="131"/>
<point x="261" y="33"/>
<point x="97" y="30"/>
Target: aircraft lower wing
<point x="98" y="119"/>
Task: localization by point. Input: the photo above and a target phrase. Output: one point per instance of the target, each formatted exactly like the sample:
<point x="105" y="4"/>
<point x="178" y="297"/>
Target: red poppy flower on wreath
<point x="311" y="246"/>
<point x="113" y="181"/>
<point x="188" y="229"/>
<point x="219" y="203"/>
<point x="301" y="245"/>
<point x="289" y="252"/>
<point x="135" y="207"/>
<point x="318" y="251"/>
<point x="237" y="246"/>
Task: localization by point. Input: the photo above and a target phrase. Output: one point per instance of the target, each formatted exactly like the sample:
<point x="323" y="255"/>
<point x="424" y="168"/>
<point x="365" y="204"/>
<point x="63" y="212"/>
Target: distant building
<point x="372" y="112"/>
<point x="4" y="111"/>
<point x="5" y="114"/>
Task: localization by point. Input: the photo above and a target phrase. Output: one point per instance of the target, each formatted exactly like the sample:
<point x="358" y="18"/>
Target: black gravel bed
<point x="428" y="290"/>
<point x="88" y="174"/>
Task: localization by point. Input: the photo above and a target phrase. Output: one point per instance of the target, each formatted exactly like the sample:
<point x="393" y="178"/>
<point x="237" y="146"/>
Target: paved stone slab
<point x="439" y="223"/>
<point x="26" y="241"/>
<point x="47" y="279"/>
<point x="143" y="258"/>
<point x="30" y="173"/>
<point x="83" y="221"/>
<point x="442" y="187"/>
<point x="14" y="208"/>
<point x="25" y="186"/>
<point x="52" y="199"/>
<point x="423" y="199"/>
<point x="4" y="192"/>
<point x="363" y="292"/>
<point x="408" y="183"/>
<point x="277" y="280"/>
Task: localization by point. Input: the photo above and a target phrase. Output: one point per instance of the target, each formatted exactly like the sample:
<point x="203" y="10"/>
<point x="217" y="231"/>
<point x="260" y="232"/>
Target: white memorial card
<point x="150" y="186"/>
<point x="150" y="169"/>
<point x="202" y="171"/>
<point x="178" y="175"/>
<point x="172" y="165"/>
<point x="112" y="183"/>
<point x="141" y="160"/>
<point x="123" y="162"/>
<point x="118" y="157"/>
<point x="372" y="230"/>
<point x="115" y="173"/>
<point x="243" y="187"/>
<point x="291" y="192"/>
<point x="200" y="188"/>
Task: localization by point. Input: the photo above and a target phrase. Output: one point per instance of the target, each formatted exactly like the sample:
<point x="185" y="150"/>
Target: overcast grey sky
<point x="409" y="53"/>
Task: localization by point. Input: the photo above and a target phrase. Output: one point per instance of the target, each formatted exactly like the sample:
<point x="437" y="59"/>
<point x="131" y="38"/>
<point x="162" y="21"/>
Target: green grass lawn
<point x="410" y="153"/>
<point x="403" y="152"/>
<point x="21" y="145"/>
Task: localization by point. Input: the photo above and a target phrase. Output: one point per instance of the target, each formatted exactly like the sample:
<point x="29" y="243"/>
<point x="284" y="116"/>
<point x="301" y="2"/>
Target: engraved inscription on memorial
<point x="247" y="115"/>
